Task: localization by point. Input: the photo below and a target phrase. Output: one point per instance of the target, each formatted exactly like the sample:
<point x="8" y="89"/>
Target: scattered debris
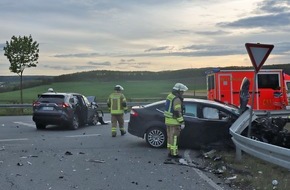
<point x="209" y="154"/>
<point x="68" y="153"/>
<point x="275" y="183"/>
<point x="2" y="148"/>
<point x="96" y="161"/>
<point x="183" y="162"/>
<point x="19" y="164"/>
<point x="231" y="178"/>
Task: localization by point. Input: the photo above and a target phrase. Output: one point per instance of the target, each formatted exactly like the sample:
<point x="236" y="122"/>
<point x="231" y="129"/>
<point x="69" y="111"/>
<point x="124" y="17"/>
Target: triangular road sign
<point x="258" y="54"/>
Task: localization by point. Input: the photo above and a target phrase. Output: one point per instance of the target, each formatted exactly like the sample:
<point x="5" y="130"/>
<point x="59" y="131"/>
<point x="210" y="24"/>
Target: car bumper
<point x="135" y="131"/>
<point x="52" y="118"/>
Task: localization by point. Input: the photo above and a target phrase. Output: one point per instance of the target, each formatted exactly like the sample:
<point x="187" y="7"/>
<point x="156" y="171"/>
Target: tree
<point x="22" y="52"/>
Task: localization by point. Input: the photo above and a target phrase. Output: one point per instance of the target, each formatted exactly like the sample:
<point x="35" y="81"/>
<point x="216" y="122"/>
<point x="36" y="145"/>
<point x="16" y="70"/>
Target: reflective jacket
<point x="173" y="110"/>
<point x="117" y="103"/>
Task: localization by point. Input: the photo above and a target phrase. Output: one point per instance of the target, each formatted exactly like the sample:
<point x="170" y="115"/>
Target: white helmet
<point x="119" y="88"/>
<point x="50" y="90"/>
<point x="180" y="87"/>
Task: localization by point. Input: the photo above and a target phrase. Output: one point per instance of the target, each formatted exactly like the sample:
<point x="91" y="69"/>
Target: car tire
<point x="75" y="122"/>
<point x="40" y="126"/>
<point x="95" y="120"/>
<point x="156" y="137"/>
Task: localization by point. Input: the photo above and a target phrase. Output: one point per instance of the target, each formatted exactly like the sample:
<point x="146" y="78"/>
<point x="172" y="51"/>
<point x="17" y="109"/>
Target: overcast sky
<point x="145" y="35"/>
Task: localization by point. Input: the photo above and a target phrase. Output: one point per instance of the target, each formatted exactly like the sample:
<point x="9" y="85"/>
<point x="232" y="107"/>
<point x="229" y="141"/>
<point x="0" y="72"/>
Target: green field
<point x="134" y="90"/>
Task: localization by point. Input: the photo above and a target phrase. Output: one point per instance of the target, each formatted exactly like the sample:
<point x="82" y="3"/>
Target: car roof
<point x="55" y="93"/>
<point x="202" y="101"/>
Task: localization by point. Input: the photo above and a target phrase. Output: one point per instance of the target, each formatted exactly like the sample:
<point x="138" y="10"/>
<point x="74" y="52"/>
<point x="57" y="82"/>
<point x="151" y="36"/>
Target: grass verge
<point x="248" y="174"/>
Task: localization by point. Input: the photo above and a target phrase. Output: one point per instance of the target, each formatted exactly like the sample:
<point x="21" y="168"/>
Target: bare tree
<point x="22" y="52"/>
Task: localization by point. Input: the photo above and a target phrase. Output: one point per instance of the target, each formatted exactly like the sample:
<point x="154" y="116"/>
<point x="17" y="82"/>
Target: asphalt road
<point x="89" y="159"/>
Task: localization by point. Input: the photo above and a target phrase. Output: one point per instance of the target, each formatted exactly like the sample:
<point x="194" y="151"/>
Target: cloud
<point x="264" y="21"/>
<point x="159" y="48"/>
<point x="81" y="55"/>
<point x="106" y="63"/>
<point x="273" y="6"/>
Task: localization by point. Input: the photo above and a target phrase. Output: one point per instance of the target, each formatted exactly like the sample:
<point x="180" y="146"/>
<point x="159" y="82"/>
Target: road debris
<point x="68" y="153"/>
<point x="96" y="161"/>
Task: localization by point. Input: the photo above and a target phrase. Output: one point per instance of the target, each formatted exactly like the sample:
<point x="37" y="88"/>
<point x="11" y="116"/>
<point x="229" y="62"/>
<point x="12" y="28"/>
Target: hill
<point x="196" y="76"/>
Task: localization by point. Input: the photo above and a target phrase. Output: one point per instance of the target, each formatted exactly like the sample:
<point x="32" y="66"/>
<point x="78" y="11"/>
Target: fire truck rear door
<point x="225" y="88"/>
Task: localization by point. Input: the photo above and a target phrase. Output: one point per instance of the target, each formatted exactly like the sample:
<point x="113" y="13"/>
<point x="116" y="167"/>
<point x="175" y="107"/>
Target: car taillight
<point x="64" y="105"/>
<point x="134" y="113"/>
<point x="35" y="104"/>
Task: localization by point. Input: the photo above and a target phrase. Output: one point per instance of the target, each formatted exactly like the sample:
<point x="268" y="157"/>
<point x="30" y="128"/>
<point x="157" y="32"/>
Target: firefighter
<point x="118" y="106"/>
<point x="174" y="118"/>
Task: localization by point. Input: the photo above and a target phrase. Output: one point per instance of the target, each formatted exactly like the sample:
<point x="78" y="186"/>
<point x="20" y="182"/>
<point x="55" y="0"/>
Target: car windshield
<point x="91" y="98"/>
<point x="51" y="99"/>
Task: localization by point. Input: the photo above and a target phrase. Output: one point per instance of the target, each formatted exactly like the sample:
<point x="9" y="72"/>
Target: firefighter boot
<point x="123" y="132"/>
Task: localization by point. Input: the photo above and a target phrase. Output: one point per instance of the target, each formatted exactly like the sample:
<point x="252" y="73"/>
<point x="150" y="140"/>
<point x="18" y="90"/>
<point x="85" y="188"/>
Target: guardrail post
<point x="238" y="154"/>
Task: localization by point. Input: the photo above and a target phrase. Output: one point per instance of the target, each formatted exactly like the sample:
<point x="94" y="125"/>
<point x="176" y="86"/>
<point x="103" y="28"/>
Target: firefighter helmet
<point x="180" y="87"/>
<point x="50" y="90"/>
<point x="118" y="88"/>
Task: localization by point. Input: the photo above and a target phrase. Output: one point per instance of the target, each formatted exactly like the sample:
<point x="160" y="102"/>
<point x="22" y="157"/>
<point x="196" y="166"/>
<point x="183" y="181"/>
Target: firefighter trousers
<point x="117" y="120"/>
<point x="173" y="133"/>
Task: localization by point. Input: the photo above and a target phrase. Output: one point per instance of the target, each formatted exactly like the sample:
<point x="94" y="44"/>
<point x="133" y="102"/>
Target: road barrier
<point x="101" y="105"/>
<point x="268" y="152"/>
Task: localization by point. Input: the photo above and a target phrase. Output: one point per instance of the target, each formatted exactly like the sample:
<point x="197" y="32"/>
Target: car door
<point x="82" y="109"/>
<point x="204" y="124"/>
<point x="89" y="109"/>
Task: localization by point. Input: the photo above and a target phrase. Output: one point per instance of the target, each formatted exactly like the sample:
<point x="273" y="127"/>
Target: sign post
<point x="258" y="54"/>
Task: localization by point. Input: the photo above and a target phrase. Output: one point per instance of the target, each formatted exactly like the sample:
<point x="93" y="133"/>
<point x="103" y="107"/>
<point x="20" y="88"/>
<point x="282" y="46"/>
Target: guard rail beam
<point x="268" y="152"/>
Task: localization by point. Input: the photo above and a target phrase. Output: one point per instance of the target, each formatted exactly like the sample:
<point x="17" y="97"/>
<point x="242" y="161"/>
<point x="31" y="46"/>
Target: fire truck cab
<point x="270" y="92"/>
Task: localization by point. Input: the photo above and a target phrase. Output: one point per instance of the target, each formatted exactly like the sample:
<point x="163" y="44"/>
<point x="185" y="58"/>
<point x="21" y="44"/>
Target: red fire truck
<point x="270" y="92"/>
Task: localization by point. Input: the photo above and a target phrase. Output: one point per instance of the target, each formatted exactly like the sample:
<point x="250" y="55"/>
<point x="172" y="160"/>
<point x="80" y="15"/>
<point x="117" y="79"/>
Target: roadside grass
<point x="134" y="90"/>
<point x="250" y="173"/>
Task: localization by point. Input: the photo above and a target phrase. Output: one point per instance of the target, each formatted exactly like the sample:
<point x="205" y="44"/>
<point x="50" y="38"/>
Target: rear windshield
<point x="51" y="99"/>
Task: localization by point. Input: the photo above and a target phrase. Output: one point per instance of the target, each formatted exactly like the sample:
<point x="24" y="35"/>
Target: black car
<point x="70" y="110"/>
<point x="206" y="123"/>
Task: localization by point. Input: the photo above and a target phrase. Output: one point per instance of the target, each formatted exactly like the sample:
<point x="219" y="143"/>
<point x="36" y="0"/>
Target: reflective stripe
<point x="114" y="129"/>
<point x="170" y="118"/>
<point x="116" y="102"/>
<point x="174" y="148"/>
<point x="171" y="121"/>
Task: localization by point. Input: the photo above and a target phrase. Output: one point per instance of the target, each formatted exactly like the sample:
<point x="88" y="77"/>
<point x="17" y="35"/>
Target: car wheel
<point x="156" y="137"/>
<point x="75" y="122"/>
<point x="95" y="120"/>
<point x="40" y="126"/>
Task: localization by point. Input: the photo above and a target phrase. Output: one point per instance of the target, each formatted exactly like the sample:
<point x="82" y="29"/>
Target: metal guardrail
<point x="101" y="105"/>
<point x="268" y="152"/>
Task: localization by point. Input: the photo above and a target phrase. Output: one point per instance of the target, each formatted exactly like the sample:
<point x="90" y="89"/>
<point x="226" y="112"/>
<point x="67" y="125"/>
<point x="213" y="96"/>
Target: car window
<point x="190" y="109"/>
<point x="210" y="113"/>
<point x="214" y="113"/>
<point x="51" y="99"/>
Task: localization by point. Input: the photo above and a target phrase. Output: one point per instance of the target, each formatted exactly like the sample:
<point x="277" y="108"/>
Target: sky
<point x="144" y="35"/>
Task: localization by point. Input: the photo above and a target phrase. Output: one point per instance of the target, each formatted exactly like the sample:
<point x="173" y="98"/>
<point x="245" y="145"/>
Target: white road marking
<point x="90" y="135"/>
<point x="25" y="124"/>
<point x="5" y="140"/>
<point x="201" y="174"/>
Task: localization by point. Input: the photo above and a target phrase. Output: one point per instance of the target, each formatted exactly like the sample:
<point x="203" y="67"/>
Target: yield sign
<point x="258" y="54"/>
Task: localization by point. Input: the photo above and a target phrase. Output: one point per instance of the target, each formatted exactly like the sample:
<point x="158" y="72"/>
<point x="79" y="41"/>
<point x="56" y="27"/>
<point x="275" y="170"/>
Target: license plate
<point x="48" y="108"/>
